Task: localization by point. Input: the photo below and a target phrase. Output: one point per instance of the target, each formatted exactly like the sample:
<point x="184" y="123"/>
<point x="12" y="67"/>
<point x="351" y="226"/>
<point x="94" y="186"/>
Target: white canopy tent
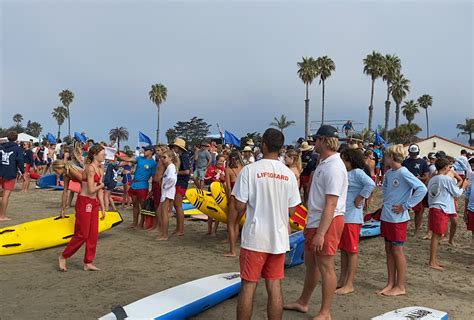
<point x="22" y="137"/>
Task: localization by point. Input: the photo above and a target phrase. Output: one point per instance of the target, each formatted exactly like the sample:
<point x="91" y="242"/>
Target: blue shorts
<point x="200" y="173"/>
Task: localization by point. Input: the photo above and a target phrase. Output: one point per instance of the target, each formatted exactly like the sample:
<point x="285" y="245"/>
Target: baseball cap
<point x="413" y="148"/>
<point x="326" y="131"/>
<point x="149" y="148"/>
<point x="431" y="155"/>
<point x="440" y="154"/>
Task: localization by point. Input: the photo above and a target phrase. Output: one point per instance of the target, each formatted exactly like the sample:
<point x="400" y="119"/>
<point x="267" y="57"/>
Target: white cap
<point x="413" y="148"/>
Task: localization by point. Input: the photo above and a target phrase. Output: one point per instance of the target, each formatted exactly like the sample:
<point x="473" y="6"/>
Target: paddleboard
<point x="298" y="219"/>
<point x="370" y="229"/>
<point x="413" y="313"/>
<point x="46" y="233"/>
<point x="218" y="193"/>
<point x="183" y="301"/>
<point x="47" y="181"/>
<point x="204" y="202"/>
<point x="295" y="256"/>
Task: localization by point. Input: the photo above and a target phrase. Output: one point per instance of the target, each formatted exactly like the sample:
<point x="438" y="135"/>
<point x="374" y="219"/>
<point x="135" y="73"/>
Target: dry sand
<point x="135" y="266"/>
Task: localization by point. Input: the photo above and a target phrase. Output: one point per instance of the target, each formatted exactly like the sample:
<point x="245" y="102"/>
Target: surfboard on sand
<point x="413" y="313"/>
<point x="183" y="301"/>
<point x="370" y="229"/>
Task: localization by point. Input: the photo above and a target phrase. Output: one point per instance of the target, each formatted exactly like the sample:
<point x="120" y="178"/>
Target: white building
<point x="436" y="143"/>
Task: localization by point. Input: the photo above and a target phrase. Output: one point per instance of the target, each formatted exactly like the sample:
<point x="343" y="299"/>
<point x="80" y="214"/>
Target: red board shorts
<point x="304" y="181"/>
<point x="470" y="221"/>
<point x="420" y="206"/>
<point x="350" y="237"/>
<point x="331" y="238"/>
<point x="156" y="191"/>
<point x="181" y="190"/>
<point x="438" y="221"/>
<point x="141" y="194"/>
<point x="8" y="185"/>
<point x="394" y="232"/>
<point x="254" y="264"/>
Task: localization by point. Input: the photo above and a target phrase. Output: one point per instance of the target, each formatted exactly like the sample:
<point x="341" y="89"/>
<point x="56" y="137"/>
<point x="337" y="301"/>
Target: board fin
<point x="119" y="312"/>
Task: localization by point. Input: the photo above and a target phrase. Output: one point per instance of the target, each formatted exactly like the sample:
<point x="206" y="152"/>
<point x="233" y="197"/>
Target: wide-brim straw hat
<point x="250" y="142"/>
<point x="247" y="148"/>
<point x="306" y="147"/>
<point x="180" y="143"/>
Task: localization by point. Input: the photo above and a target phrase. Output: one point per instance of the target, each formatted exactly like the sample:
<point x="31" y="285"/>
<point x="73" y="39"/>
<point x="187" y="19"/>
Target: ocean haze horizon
<point x="228" y="63"/>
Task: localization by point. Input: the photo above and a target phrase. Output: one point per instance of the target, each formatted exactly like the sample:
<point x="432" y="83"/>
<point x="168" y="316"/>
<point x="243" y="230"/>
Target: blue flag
<point x="51" y="138"/>
<point x="230" y="138"/>
<point x="80" y="137"/>
<point x="144" y="138"/>
<point x="378" y="138"/>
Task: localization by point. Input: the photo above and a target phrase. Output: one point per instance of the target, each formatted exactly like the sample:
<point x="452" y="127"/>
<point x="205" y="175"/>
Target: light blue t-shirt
<point x="144" y="170"/>
<point x="359" y="184"/>
<point x="441" y="193"/>
<point x="400" y="187"/>
<point x="470" y="198"/>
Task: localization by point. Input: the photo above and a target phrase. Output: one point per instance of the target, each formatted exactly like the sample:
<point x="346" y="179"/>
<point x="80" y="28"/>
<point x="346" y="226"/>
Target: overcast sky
<point x="228" y="62"/>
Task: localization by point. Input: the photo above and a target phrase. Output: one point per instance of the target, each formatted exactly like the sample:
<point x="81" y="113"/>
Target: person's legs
<point x="453" y="224"/>
<point x="231" y="228"/>
<point x="418" y="219"/>
<point x="209" y="226"/>
<point x="390" y="268"/>
<point x="111" y="201"/>
<point x="329" y="280"/>
<point x="400" y="263"/>
<point x="312" y="276"/>
<point x="343" y="276"/>
<point x="91" y="240"/>
<point x="106" y="199"/>
<point x="178" y="206"/>
<point x="164" y="207"/>
<point x="71" y="198"/>
<point x="245" y="300"/>
<point x="136" y="210"/>
<point x="4" y="205"/>
<point x="275" y="299"/>
<point x="351" y="269"/>
<point x="141" y="202"/>
<point x="435" y="237"/>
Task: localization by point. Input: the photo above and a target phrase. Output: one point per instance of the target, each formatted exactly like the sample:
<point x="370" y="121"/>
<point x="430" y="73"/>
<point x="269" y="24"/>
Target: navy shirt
<point x="418" y="167"/>
<point x="311" y="165"/>
<point x="29" y="158"/>
<point x="183" y="179"/>
<point x="11" y="160"/>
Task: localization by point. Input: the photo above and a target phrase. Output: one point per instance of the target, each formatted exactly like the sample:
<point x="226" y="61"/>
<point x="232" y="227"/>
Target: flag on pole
<point x="230" y="138"/>
<point x="378" y="138"/>
<point x="51" y="138"/>
<point x="144" y="138"/>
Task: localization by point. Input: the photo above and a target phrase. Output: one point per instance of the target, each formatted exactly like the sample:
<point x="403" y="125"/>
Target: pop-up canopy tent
<point x="23" y="137"/>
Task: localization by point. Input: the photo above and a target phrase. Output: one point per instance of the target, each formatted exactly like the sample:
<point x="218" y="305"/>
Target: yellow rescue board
<point x="218" y="193"/>
<point x="46" y="233"/>
<point x="204" y="202"/>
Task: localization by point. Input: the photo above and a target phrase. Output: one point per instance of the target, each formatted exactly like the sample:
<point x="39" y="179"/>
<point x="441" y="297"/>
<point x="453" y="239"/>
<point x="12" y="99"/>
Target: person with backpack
<point x="10" y="163"/>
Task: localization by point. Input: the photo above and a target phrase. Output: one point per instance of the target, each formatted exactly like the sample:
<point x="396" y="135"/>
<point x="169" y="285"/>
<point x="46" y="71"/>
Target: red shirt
<point x="214" y="173"/>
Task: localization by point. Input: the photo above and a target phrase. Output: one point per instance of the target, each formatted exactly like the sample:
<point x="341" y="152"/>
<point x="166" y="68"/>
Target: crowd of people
<point x="265" y="182"/>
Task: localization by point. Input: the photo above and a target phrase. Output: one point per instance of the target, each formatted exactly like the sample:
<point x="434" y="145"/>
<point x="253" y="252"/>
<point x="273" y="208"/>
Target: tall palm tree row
<point x="282" y="123"/>
<point x="60" y="114"/>
<point x="426" y="101"/>
<point x="410" y="109"/>
<point x="325" y="67"/>
<point x="158" y="95"/>
<point x="66" y="96"/>
<point x="391" y="68"/>
<point x="373" y="67"/>
<point x="307" y="71"/>
<point x="467" y="128"/>
<point x="17" y="118"/>
<point x="118" y="134"/>
<point x="400" y="88"/>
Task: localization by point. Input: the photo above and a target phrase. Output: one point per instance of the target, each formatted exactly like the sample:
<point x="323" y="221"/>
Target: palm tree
<point x="117" y="134"/>
<point x="400" y="88"/>
<point x="409" y="109"/>
<point x="467" y="129"/>
<point x="34" y="128"/>
<point x="17" y="118"/>
<point x="373" y="67"/>
<point x="60" y="114"/>
<point x="66" y="98"/>
<point x="282" y="123"/>
<point x="391" y="67"/>
<point x="325" y="66"/>
<point x="307" y="72"/>
<point x="158" y="94"/>
<point x="426" y="101"/>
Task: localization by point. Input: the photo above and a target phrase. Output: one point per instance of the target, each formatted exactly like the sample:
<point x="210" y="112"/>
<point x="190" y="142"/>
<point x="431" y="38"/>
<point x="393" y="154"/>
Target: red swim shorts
<point x="254" y="264"/>
<point x="141" y="194"/>
<point x="156" y="191"/>
<point x="420" y="206"/>
<point x="304" y="181"/>
<point x="350" y="237"/>
<point x="8" y="185"/>
<point x="331" y="238"/>
<point x="394" y="232"/>
<point x="438" y="221"/>
<point x="470" y="220"/>
<point x="181" y="190"/>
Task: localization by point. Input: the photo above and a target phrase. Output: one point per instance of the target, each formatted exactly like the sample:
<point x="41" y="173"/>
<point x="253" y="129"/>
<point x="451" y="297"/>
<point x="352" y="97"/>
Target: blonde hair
<point x="70" y="169"/>
<point x="397" y="152"/>
<point x="174" y="158"/>
<point x="331" y="143"/>
<point x="296" y="156"/>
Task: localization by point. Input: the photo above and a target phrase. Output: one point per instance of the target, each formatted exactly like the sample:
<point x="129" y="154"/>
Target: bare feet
<point x="230" y="254"/>
<point x="427" y="237"/>
<point x="436" y="267"/>
<point x="344" y="290"/>
<point x="296" y="306"/>
<point x="162" y="238"/>
<point x="388" y="287"/>
<point x="395" y="291"/>
<point x="452" y="243"/>
<point x="62" y="263"/>
<point x="5" y="219"/>
<point x="322" y="317"/>
<point x="90" y="267"/>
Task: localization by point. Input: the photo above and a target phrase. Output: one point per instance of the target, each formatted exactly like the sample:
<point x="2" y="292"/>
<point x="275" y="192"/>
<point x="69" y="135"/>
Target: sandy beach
<point x="134" y="266"/>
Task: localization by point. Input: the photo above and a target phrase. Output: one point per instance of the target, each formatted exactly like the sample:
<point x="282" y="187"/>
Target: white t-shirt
<point x="168" y="184"/>
<point x="330" y="178"/>
<point x="268" y="188"/>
